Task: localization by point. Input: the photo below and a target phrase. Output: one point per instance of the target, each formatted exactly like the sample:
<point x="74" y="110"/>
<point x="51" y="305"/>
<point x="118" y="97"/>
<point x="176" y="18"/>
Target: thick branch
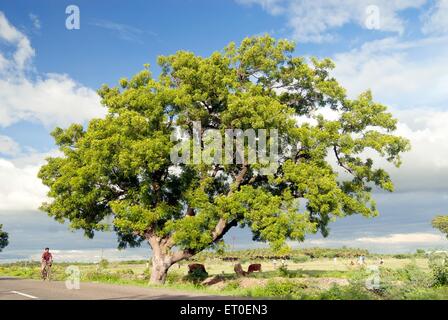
<point x="221" y="226"/>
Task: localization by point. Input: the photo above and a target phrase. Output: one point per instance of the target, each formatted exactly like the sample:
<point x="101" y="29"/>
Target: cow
<point x="254" y="267"/>
<point x="196" y="266"/>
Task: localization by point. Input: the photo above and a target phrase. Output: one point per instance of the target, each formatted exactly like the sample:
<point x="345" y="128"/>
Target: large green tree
<point x="441" y="223"/>
<point x="3" y="238"/>
<point x="117" y="173"/>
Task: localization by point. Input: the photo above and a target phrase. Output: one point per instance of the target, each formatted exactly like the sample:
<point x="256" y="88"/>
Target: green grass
<point x="401" y="277"/>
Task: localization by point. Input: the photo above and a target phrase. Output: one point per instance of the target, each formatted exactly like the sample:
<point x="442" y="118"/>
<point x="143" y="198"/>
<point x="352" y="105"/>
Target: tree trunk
<point x="160" y="266"/>
<point x="161" y="259"/>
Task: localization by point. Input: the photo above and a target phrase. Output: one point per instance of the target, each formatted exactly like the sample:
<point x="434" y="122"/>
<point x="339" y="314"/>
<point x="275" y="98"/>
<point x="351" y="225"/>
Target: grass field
<point x="328" y="274"/>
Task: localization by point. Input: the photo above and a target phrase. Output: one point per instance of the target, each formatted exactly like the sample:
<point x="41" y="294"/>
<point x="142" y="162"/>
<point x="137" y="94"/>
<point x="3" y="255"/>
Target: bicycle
<point x="46" y="272"/>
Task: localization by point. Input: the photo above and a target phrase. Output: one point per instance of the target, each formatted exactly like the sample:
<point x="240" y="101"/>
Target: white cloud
<point x="425" y="167"/>
<point x="313" y="20"/>
<point x="405" y="74"/>
<point x="24" y="52"/>
<point x="411" y="78"/>
<point x="35" y="20"/>
<point x="405" y="238"/>
<point x="8" y="146"/>
<point x="436" y="20"/>
<point x="53" y="99"/>
<point x="20" y="188"/>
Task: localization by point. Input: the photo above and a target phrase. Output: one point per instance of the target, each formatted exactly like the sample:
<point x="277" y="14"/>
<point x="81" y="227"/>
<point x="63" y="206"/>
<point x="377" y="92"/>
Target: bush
<point x="439" y="269"/>
<point x="420" y="252"/>
<point x="440" y="275"/>
<point x="173" y="277"/>
<point x="103" y="264"/>
<point x="400" y="256"/>
<point x="232" y="285"/>
<point x="354" y="291"/>
<point x="280" y="289"/>
<point x="146" y="274"/>
<point x="414" y="276"/>
<point x="285" y="273"/>
<point x="196" y="276"/>
<point x="126" y="274"/>
<point x="300" y="259"/>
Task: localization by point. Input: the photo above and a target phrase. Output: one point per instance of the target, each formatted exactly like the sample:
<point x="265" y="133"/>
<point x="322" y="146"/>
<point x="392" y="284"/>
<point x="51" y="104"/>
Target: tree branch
<point x="340" y="161"/>
<point x="222" y="226"/>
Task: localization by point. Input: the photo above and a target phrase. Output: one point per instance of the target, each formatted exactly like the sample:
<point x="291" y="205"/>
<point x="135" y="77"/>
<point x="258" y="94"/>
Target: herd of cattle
<point x="193" y="267"/>
<point x="257" y="258"/>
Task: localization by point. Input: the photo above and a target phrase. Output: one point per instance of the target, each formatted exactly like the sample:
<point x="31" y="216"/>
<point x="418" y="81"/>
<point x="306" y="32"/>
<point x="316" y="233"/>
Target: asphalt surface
<point x="24" y="289"/>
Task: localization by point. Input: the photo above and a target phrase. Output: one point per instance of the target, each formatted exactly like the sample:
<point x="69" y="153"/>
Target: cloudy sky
<point x="49" y="74"/>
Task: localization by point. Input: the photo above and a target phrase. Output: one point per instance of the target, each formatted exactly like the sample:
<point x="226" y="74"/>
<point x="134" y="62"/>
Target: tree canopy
<point x="3" y="238"/>
<point x="116" y="173"/>
<point x="441" y="223"/>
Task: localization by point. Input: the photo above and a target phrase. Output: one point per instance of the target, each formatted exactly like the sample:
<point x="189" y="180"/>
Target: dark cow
<point x="196" y="266"/>
<point x="254" y="267"/>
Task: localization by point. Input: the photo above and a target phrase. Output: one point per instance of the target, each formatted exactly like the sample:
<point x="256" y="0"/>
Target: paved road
<point x="21" y="289"/>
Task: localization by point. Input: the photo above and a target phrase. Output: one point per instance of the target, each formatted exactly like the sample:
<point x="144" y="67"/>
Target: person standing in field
<point x="46" y="262"/>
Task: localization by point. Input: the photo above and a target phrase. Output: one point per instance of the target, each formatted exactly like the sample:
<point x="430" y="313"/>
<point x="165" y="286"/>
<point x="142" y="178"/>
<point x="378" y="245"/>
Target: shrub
<point x="232" y="285"/>
<point x="439" y="269"/>
<point x="400" y="256"/>
<point x="440" y="275"/>
<point x="196" y="276"/>
<point x="354" y="291"/>
<point x="125" y="274"/>
<point x="103" y="264"/>
<point x="280" y="289"/>
<point x="146" y="274"/>
<point x="420" y="252"/>
<point x="300" y="259"/>
<point x="285" y="273"/>
<point x="173" y="277"/>
<point x="413" y="275"/>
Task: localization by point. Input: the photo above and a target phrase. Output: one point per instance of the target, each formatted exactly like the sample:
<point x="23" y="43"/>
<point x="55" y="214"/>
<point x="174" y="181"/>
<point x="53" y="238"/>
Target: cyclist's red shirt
<point x="47" y="256"/>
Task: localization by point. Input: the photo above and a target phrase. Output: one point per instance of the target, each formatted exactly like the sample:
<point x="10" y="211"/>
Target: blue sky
<point x="49" y="74"/>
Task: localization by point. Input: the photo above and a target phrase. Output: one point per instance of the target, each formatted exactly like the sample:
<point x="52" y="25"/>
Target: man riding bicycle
<point x="46" y="262"/>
